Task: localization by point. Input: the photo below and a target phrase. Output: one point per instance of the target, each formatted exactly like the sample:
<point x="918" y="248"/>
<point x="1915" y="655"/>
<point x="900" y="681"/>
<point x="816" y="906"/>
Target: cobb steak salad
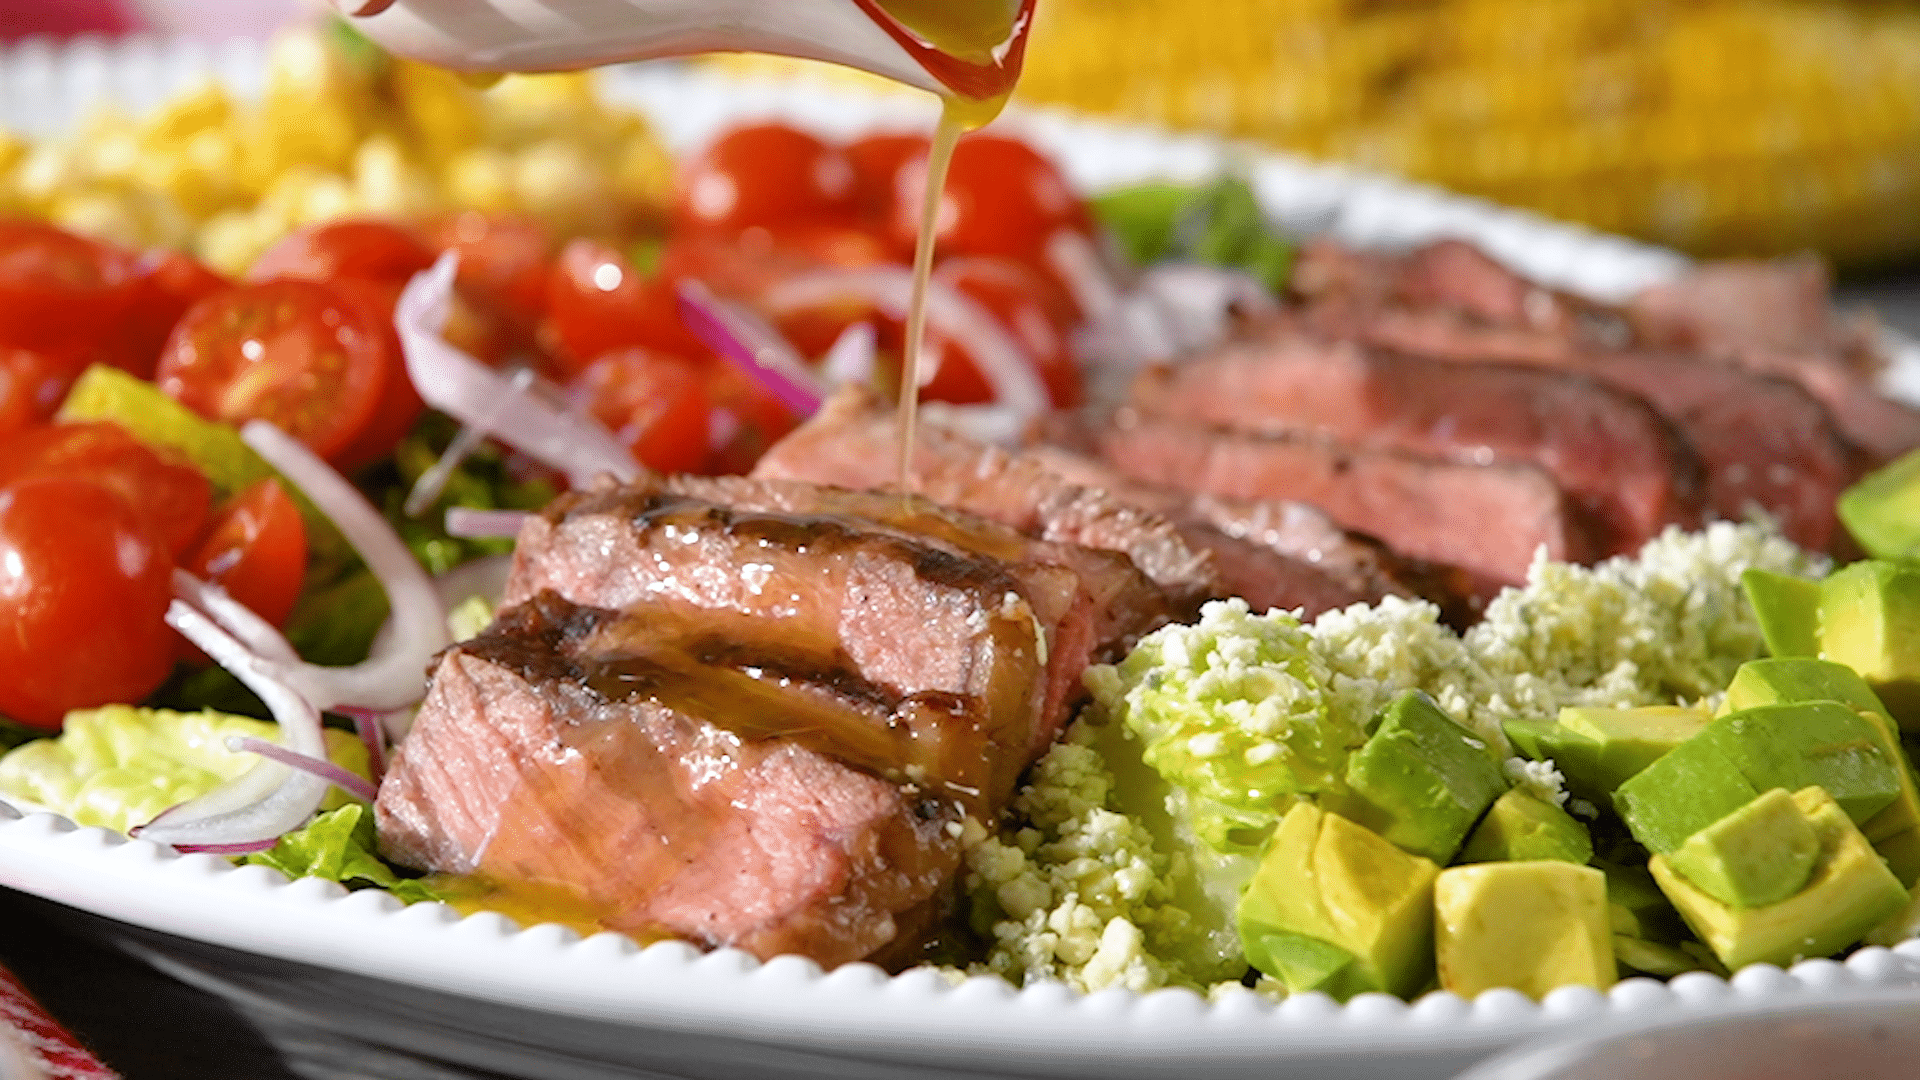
<point x="1261" y="612"/>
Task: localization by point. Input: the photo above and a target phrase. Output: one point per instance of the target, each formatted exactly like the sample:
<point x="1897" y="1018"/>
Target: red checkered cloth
<point x="41" y="1040"/>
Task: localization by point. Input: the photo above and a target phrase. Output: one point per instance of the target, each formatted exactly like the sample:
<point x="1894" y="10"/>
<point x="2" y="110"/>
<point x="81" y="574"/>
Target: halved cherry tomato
<point x="256" y="551"/>
<point x="766" y="175"/>
<point x="1003" y="197"/>
<point x="1032" y="311"/>
<point x="746" y="419"/>
<point x="655" y="404"/>
<point x="877" y="163"/>
<point x="170" y="283"/>
<point x="57" y="289"/>
<point x="296" y="353"/>
<point x="359" y="248"/>
<point x="597" y="303"/>
<point x="399" y="404"/>
<point x="168" y="492"/>
<point x="504" y="262"/>
<point x="84" y="583"/>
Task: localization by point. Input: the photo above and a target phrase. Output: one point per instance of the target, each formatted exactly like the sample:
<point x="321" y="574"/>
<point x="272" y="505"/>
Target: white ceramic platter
<point x="542" y="1003"/>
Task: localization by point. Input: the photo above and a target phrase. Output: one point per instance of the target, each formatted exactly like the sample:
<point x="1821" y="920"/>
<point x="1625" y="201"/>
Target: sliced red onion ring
<point x="851" y="359"/>
<point x="465" y="441"/>
<point x="476" y="395"/>
<point x="366" y="724"/>
<point x="1077" y="262"/>
<point x="757" y="349"/>
<point x="486" y="578"/>
<point x="326" y="770"/>
<point x="1016" y="386"/>
<point x="417" y="629"/>
<point x="253" y="848"/>
<point x="471" y="524"/>
<point x="269" y="799"/>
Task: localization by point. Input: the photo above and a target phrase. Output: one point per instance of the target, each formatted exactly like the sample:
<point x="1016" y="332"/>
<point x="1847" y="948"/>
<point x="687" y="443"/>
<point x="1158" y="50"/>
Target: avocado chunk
<point x="1760" y="854"/>
<point x="1788" y="609"/>
<point x="1625" y="741"/>
<point x="1337" y="909"/>
<point x="1870" y="621"/>
<point x="1641" y="910"/>
<point x="1894" y="831"/>
<point x="1741" y="754"/>
<point x="1522" y="827"/>
<point x="1533" y="926"/>
<point x="1882" y="510"/>
<point x="1421" y="780"/>
<point x="1849" y="893"/>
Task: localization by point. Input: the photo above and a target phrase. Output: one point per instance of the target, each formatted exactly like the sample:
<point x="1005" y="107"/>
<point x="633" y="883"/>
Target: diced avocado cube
<point x="1652" y="958"/>
<point x="1422" y="780"/>
<point x="1575" y="755"/>
<point x="1691" y="787"/>
<point x="1627" y="740"/>
<point x="1533" y="926"/>
<point x="1529" y="737"/>
<point x="1632" y="890"/>
<point x="1849" y="893"/>
<point x="1894" y="831"/>
<point x="1882" y="510"/>
<point x="1760" y="854"/>
<point x="1788" y="609"/>
<point x="1807" y="743"/>
<point x="1325" y="879"/>
<point x="1899" y="926"/>
<point x="1521" y="827"/>
<point x="1870" y="621"/>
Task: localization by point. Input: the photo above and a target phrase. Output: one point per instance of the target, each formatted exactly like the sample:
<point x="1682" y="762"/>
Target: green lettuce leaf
<point x="1220" y="224"/>
<point x="118" y="767"/>
<point x="340" y="846"/>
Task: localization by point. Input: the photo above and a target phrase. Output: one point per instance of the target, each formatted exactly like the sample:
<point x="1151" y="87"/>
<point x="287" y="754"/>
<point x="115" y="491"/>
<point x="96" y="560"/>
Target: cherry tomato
<point x="399" y="404"/>
<point x="172" y="495"/>
<point x="598" y="304"/>
<point x="296" y="353"/>
<point x="84" y="586"/>
<point x="766" y="175"/>
<point x="1003" y="197"/>
<point x="745" y="419"/>
<point x="1029" y="308"/>
<point x="504" y="262"/>
<point x="359" y="248"/>
<point x="256" y="550"/>
<point x="57" y="288"/>
<point x="169" y="284"/>
<point x="33" y="383"/>
<point x="655" y="404"/>
<point x="877" y="163"/>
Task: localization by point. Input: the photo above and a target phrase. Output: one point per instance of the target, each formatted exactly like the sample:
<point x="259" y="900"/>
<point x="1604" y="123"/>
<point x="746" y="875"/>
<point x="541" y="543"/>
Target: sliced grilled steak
<point x="1057" y="496"/>
<point x="1485" y="519"/>
<point x="586" y="759"/>
<point x="1607" y="448"/>
<point x="914" y="611"/>
<point x="1881" y="428"/>
<point x="1720" y="308"/>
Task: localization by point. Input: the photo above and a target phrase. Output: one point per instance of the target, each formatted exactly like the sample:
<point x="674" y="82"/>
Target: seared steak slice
<point x="1720" y="308"/>
<point x="588" y="760"/>
<point x="1607" y="448"/>
<point x="1485" y="519"/>
<point x="912" y="610"/>
<point x="1881" y="428"/>
<point x="1072" y="501"/>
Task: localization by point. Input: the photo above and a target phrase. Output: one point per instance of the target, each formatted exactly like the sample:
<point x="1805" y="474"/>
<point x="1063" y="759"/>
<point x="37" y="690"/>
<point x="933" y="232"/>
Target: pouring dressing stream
<point x="969" y="52"/>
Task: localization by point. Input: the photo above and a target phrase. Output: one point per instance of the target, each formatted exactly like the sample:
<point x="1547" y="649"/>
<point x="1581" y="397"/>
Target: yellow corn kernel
<point x="480" y="179"/>
<point x="442" y="112"/>
<point x="386" y="183"/>
<point x="203" y="109"/>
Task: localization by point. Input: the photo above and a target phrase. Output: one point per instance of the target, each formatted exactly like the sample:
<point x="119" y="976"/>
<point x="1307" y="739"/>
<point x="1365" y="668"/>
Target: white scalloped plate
<point x="543" y="1003"/>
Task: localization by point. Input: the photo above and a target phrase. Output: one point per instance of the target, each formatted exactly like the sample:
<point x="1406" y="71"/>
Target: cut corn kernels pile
<point x="341" y="132"/>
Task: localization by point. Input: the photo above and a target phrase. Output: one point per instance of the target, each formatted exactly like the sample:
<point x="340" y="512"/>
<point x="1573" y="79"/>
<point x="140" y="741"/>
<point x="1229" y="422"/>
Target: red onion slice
<point x="751" y="345"/>
<point x="476" y="395"/>
<point x="269" y="799"/>
<point x="326" y="770"/>
<point x="465" y="441"/>
<point x="417" y="628"/>
<point x="366" y="725"/>
<point x="950" y="313"/>
<point x="851" y="359"/>
<point x="469" y="523"/>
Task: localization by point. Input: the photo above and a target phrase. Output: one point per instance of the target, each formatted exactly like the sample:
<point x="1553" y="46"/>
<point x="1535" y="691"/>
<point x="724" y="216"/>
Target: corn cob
<point x="1717" y="126"/>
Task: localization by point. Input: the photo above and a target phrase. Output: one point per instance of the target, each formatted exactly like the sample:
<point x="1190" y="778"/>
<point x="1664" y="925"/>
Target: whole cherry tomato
<point x="357" y="248"/>
<point x="746" y="419"/>
<point x="256" y="551"/>
<point x="655" y="404"/>
<point x="1002" y="197"/>
<point x="505" y="260"/>
<point x="766" y="175"/>
<point x="58" y="290"/>
<point x="296" y="353"/>
<point x="33" y="383"/>
<point x="84" y="587"/>
<point x="877" y="163"/>
<point x="172" y="495"/>
<point x="597" y="303"/>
